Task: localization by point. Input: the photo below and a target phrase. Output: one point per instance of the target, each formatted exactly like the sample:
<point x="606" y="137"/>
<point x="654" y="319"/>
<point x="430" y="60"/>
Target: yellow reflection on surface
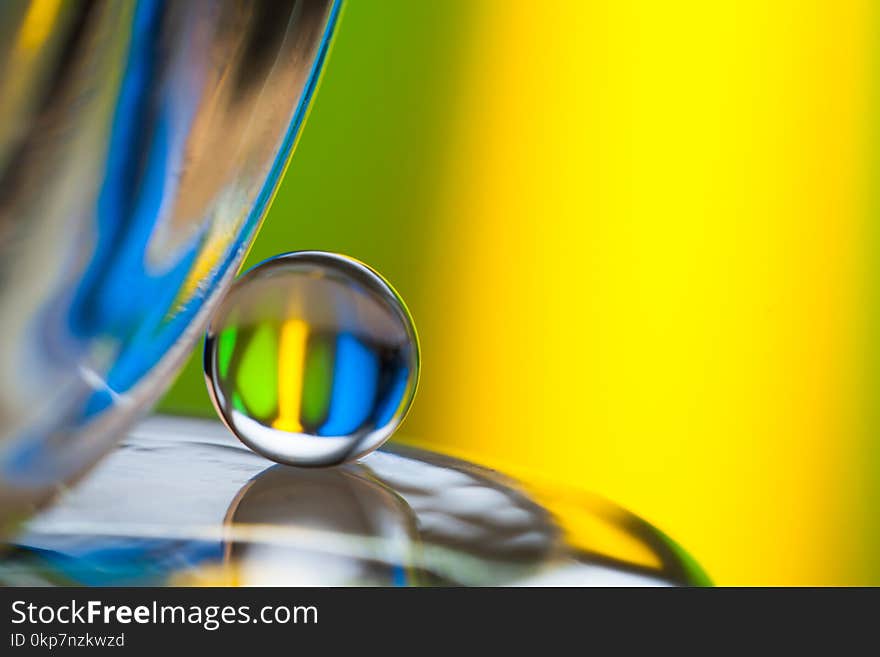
<point x="596" y="528"/>
<point x="207" y="575"/>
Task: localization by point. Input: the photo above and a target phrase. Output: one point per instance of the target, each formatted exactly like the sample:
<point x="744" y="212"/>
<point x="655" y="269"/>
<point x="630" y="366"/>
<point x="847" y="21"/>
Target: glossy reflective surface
<point x="139" y="145"/>
<point x="181" y="502"/>
<point x="312" y="359"/>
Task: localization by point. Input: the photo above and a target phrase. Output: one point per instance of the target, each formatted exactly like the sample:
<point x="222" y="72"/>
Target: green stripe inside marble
<point x="257" y="373"/>
<point x="317" y="380"/>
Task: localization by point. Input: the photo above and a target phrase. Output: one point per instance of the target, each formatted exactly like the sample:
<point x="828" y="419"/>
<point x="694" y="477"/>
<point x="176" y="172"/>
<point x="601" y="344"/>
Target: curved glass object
<point x="217" y="515"/>
<point x="312" y="359"/>
<point x="140" y="143"/>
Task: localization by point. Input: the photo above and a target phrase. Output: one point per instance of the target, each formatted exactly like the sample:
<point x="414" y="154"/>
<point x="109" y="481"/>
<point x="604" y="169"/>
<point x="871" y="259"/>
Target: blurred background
<point x="638" y="242"/>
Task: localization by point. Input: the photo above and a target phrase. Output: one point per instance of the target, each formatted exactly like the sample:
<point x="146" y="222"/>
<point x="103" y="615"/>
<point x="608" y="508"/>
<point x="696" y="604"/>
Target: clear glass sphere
<point x="312" y="359"/>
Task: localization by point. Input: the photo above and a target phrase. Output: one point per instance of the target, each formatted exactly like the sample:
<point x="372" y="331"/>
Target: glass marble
<point x="312" y="359"/>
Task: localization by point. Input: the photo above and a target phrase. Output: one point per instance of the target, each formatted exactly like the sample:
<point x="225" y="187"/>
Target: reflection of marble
<point x="335" y="504"/>
<point x="183" y="502"/>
